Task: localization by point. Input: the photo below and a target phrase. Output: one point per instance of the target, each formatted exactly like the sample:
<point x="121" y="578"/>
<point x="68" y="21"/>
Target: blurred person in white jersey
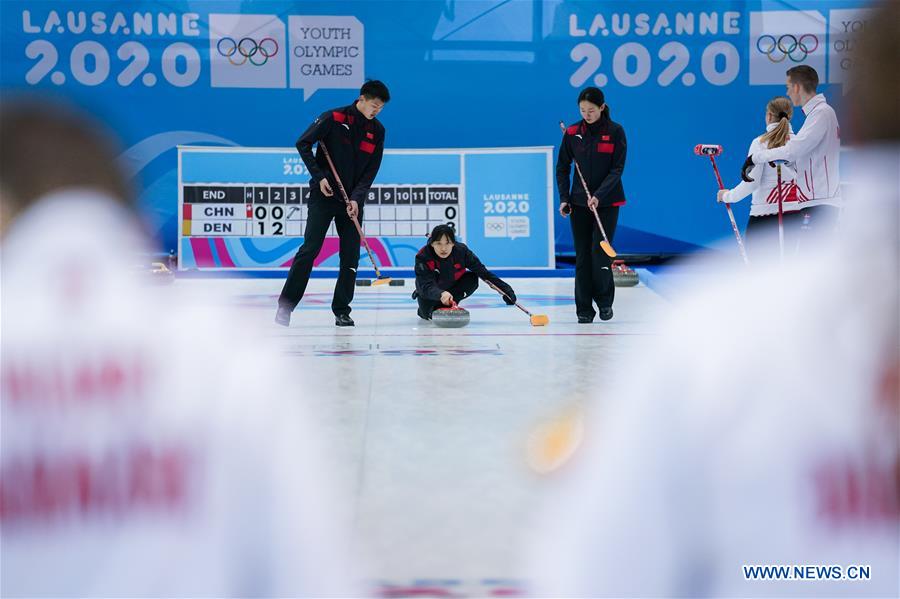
<point x="762" y="428"/>
<point x="144" y="452"/>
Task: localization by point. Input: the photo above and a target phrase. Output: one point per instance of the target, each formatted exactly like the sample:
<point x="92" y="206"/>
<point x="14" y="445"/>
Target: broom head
<point x="607" y="249"/>
<point x="539" y="320"/>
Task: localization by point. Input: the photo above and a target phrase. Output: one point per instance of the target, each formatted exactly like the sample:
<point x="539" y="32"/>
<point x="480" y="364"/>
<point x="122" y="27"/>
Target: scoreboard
<point x="246" y="208"/>
<point x="276" y="210"/>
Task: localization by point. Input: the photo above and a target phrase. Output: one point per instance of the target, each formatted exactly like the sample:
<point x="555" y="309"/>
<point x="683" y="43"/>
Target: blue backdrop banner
<point x="463" y="74"/>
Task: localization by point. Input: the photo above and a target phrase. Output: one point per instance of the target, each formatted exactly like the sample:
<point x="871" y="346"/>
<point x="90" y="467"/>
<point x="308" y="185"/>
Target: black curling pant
<point x="460" y="290"/>
<point x="761" y="236"/>
<point x="322" y="211"/>
<point x="593" y="268"/>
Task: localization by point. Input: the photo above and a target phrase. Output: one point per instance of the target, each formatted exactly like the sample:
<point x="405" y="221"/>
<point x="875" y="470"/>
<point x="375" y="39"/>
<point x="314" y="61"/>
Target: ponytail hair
<point x="780" y="107"/>
<point x="595" y="96"/>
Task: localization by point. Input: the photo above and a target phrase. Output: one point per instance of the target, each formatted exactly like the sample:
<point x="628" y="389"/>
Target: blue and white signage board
<point x="246" y="208"/>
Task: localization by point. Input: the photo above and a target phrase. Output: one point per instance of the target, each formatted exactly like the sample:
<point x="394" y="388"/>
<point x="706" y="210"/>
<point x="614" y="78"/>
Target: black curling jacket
<point x="600" y="151"/>
<point x="434" y="275"/>
<point x="356" y="145"/>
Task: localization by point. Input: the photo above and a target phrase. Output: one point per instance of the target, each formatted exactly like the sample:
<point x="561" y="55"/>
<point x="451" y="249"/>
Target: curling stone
<point x="451" y="318"/>
<point x="623" y="276"/>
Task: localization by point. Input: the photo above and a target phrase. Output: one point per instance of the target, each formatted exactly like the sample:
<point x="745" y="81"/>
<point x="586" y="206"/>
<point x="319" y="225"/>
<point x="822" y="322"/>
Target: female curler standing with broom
<point x="776" y="199"/>
<point x="597" y="146"/>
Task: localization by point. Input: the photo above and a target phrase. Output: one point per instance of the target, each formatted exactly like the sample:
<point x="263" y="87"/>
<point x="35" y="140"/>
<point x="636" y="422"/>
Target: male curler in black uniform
<point x="355" y="140"/>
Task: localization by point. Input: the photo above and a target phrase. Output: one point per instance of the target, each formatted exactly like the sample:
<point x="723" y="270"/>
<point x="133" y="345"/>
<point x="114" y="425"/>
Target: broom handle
<point x="500" y="291"/>
<point x="780" y="214"/>
<point x="734" y="227"/>
<point x="343" y="191"/>
<point x="587" y="192"/>
<point x="337" y="179"/>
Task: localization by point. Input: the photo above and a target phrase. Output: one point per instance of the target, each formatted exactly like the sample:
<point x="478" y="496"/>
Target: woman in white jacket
<point x="763" y="221"/>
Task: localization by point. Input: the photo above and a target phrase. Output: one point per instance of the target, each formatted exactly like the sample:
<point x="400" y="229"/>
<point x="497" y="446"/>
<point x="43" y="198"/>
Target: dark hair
<point x="48" y="146"/>
<point x="595" y="96"/>
<point x="375" y="89"/>
<point x="805" y="76"/>
<point x="441" y="231"/>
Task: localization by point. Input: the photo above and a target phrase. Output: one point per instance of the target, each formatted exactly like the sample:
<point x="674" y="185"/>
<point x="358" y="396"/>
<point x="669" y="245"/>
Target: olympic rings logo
<point x="249" y="49"/>
<point x="787" y="46"/>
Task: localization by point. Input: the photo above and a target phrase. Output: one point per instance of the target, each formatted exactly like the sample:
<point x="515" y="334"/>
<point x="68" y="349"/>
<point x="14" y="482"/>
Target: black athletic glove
<point x="510" y="297"/>
<point x="745" y="170"/>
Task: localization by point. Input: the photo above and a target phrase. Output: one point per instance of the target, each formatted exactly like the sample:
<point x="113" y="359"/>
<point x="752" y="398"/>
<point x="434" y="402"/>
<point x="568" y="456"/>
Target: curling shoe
<point x="283" y="316"/>
<point x="343" y="320"/>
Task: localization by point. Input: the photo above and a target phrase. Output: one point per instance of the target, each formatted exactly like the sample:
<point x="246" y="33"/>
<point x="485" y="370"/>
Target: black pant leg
<point x="460" y="290"/>
<point x="601" y="264"/>
<point x="349" y="257"/>
<point x="822" y="223"/>
<point x="317" y="222"/>
<point x="761" y="236"/>
<point x="464" y="287"/>
<point x="758" y="235"/>
<point x="793" y="229"/>
<point x="426" y="306"/>
<point x="582" y="236"/>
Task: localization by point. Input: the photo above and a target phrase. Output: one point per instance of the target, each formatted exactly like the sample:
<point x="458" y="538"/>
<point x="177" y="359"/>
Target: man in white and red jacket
<point x="815" y="149"/>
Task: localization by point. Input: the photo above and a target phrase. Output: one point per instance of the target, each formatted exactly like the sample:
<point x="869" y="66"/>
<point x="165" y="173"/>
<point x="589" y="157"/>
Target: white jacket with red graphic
<point x="816" y="152"/>
<point x="764" y="186"/>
